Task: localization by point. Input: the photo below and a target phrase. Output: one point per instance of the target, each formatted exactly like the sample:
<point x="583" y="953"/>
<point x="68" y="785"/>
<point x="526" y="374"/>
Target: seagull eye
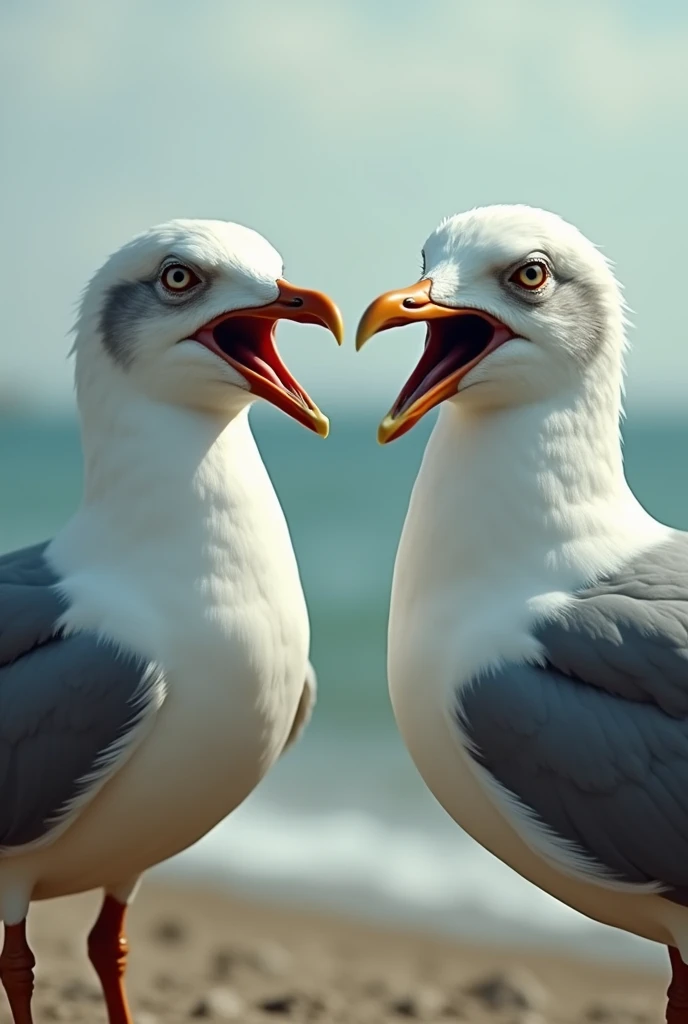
<point x="531" y="275"/>
<point x="178" y="278"/>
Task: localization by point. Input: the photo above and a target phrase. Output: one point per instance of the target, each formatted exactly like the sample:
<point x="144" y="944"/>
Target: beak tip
<point x="335" y="325"/>
<point x="334" y="321"/>
<point x="385" y="432"/>
<point x="321" y="425"/>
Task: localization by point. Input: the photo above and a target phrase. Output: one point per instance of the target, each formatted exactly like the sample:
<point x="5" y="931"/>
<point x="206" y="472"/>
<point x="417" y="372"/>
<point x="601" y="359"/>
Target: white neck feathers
<point x="535" y="488"/>
<point x="168" y="490"/>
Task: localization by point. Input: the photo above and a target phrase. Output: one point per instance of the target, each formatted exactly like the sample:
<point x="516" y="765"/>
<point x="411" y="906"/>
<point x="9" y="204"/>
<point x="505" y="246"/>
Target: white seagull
<point x="538" y="633"/>
<point x="154" y="654"/>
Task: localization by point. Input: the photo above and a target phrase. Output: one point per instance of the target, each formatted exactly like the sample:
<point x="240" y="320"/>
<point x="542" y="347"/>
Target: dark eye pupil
<point x="531" y="273"/>
<point x="178" y="276"/>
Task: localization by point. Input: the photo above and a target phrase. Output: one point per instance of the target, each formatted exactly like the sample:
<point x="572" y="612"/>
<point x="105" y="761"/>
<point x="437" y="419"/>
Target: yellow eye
<point x="531" y="275"/>
<point x="178" y="278"/>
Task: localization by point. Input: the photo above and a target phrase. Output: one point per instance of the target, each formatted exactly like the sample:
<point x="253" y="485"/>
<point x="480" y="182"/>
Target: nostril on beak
<point x="295" y="302"/>
<point x="410" y="303"/>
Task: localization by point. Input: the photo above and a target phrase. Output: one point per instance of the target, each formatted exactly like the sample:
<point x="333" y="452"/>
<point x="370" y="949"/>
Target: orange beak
<point x="245" y="338"/>
<point x="456" y="341"/>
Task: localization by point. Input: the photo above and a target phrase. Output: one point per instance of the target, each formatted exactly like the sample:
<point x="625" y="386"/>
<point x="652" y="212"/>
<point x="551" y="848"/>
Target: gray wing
<point x="305" y="708"/>
<point x="72" y="709"/>
<point x="29" y="602"/>
<point x="595" y="742"/>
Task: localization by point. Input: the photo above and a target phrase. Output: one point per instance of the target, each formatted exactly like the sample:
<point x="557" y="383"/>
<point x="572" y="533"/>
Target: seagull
<point x="538" y="630"/>
<point x="154" y="654"/>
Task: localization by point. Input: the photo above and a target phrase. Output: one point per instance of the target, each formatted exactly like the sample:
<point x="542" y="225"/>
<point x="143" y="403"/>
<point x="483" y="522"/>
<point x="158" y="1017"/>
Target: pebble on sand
<point x="219" y="1004"/>
<point x="509" y="990"/>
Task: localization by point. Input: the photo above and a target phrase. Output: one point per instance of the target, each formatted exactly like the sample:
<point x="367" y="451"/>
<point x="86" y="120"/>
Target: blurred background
<point x="344" y="132"/>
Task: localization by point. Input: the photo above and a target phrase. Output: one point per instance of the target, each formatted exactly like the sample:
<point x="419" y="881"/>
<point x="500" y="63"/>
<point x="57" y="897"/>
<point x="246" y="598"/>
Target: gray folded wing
<point x="595" y="742"/>
<point x="72" y="708"/>
<point x="29" y="603"/>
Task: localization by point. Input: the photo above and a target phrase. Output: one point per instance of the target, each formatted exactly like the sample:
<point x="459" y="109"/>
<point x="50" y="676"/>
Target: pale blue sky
<point x="343" y="131"/>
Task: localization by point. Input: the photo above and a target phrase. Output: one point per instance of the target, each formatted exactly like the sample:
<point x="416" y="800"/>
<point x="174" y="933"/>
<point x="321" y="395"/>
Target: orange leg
<point x="107" y="950"/>
<point x="677" y="994"/>
<point x="16" y="970"/>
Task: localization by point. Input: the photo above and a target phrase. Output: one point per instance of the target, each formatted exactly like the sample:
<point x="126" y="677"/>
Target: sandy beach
<point x="200" y="954"/>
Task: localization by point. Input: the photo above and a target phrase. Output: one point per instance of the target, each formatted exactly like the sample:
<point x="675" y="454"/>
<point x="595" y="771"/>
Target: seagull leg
<point x="16" y="970"/>
<point x="107" y="951"/>
<point x="677" y="994"/>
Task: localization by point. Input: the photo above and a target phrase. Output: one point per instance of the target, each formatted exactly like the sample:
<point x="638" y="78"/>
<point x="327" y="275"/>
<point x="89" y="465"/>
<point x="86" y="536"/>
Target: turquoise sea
<point x="344" y="820"/>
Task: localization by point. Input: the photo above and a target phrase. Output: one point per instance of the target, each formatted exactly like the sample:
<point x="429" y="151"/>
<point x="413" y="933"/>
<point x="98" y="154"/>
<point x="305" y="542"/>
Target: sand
<point x="197" y="954"/>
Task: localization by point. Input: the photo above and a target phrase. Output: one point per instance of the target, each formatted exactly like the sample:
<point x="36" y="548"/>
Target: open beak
<point x="456" y="341"/>
<point x="245" y="338"/>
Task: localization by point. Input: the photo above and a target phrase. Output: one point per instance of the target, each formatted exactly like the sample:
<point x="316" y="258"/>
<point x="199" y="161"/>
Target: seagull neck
<point x="543" y="481"/>
<point x="157" y="470"/>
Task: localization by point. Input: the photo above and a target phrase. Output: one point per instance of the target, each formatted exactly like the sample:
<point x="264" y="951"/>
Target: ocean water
<point x="344" y="821"/>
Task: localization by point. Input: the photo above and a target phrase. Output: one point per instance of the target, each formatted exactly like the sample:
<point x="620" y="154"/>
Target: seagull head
<point x="519" y="308"/>
<point x="186" y="313"/>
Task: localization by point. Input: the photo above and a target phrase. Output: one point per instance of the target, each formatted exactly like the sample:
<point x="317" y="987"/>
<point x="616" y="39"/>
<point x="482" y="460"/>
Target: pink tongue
<point x="245" y="357"/>
<point x="436" y="374"/>
<point x="242" y="355"/>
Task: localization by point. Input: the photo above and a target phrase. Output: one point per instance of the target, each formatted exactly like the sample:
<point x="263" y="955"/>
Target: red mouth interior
<point x="450" y="343"/>
<point x="249" y="341"/>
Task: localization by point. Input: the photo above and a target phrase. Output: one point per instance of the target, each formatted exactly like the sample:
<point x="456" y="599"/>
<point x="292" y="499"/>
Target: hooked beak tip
<point x="337" y="329"/>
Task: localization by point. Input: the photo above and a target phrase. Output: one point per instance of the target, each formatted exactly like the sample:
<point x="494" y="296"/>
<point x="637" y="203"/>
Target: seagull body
<point x="500" y="617"/>
<point x="154" y="655"/>
<point x="538" y="633"/>
<point x="216" y="600"/>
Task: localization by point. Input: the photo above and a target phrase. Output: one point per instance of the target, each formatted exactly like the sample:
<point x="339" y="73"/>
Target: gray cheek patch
<point x="126" y="306"/>
<point x="125" y="310"/>
<point x="579" y="305"/>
